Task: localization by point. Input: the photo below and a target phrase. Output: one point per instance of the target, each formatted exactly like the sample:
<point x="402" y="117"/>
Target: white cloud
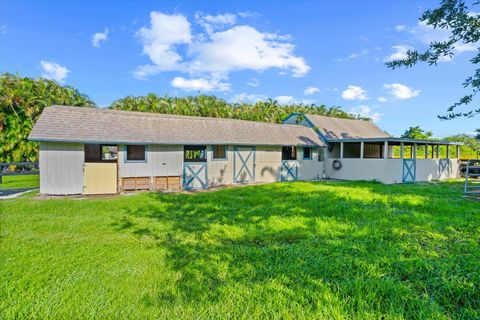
<point x="401" y="91"/>
<point x="311" y="90"/>
<point x="99" y="37"/>
<point x="253" y="82"/>
<point x="400" y="27"/>
<point x="354" y="93"/>
<point x="215" y="54"/>
<point x="425" y="34"/>
<point x="362" y="53"/>
<point x="199" y="84"/>
<point x="245" y="97"/>
<point x="366" y="111"/>
<point x="286" y="100"/>
<point x="382" y="99"/>
<point x="400" y="52"/>
<point x="355" y="55"/>
<point x="212" y="23"/>
<point x="54" y="71"/>
<point x="248" y="14"/>
<point x="245" y="48"/>
<point x="159" y="41"/>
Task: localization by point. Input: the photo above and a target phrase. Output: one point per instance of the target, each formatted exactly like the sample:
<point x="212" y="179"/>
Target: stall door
<point x="244" y="164"/>
<point x="289" y="171"/>
<point x="195" y="175"/>
<point x="99" y="178"/>
<point x="444" y="168"/>
<point x="409" y="170"/>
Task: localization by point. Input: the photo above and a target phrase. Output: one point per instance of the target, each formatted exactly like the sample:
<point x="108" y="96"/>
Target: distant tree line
<point x="22" y="100"/>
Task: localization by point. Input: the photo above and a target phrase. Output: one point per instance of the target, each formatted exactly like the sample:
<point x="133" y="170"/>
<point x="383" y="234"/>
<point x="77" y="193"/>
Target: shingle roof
<point x="336" y="128"/>
<point x="74" y="124"/>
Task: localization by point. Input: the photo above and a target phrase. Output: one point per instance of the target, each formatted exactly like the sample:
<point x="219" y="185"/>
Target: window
<point x="135" y="152"/>
<point x="195" y="153"/>
<point x="100" y="153"/>
<point x="289" y="153"/>
<point x="219" y="152"/>
<point x="307" y="153"/>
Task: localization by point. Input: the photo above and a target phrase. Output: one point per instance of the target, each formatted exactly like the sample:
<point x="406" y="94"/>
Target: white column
<point x="341" y="150"/>
<point x="414" y="153"/>
<point x="362" y="147"/>
<point x="457" y="152"/>
<point x="448" y="151"/>
<point x="402" y="150"/>
<point x="385" y="150"/>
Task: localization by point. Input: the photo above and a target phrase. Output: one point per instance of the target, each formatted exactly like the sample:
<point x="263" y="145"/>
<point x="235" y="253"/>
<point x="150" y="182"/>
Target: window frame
<point x="213" y="152"/>
<point x="125" y="151"/>
<point x="195" y="147"/>
<point x="311" y="153"/>
<point x="291" y="147"/>
<point x="100" y="146"/>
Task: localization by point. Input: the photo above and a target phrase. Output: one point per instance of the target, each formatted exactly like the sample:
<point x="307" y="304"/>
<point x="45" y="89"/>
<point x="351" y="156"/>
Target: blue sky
<point x="329" y="52"/>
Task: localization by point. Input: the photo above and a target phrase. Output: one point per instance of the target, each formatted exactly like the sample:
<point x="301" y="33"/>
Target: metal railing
<point x="472" y="178"/>
<point x="18" y="168"/>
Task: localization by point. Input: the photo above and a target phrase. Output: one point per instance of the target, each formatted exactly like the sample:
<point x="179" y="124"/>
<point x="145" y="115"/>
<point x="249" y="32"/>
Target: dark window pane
<point x="289" y="153"/>
<point x="195" y="153"/>
<point x="135" y="153"/>
<point x="92" y="153"/>
<point x="307" y="153"/>
<point x="219" y="152"/>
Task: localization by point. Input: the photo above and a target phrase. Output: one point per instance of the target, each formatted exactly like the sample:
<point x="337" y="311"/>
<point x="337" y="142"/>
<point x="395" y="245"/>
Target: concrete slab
<point x="13" y="193"/>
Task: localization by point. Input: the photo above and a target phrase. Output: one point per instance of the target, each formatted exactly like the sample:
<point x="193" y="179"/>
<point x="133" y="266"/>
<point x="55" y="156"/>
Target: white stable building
<point x="100" y="151"/>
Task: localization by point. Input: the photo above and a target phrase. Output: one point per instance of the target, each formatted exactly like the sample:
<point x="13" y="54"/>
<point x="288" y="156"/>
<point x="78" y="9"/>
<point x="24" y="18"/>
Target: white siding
<point x="220" y="172"/>
<point x="268" y="164"/>
<point x="389" y="170"/>
<point x="162" y="160"/>
<point x="309" y="169"/>
<point x="61" y="168"/>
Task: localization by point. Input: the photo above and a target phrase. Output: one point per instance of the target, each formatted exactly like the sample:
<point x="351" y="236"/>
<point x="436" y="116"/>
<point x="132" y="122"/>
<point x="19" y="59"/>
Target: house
<point x="359" y="150"/>
<point x="101" y="151"/>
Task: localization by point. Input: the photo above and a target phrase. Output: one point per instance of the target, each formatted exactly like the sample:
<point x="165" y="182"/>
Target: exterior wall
<point x="429" y="169"/>
<point x="389" y="170"/>
<point x="220" y="172"/>
<point x="383" y="170"/>
<point x="268" y="163"/>
<point x="293" y="120"/>
<point x="161" y="160"/>
<point x="267" y="167"/>
<point x="310" y="169"/>
<point x="61" y="168"/>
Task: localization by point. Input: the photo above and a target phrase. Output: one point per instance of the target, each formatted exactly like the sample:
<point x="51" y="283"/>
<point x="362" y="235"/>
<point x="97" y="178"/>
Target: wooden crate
<point x="167" y="183"/>
<point x="136" y="183"/>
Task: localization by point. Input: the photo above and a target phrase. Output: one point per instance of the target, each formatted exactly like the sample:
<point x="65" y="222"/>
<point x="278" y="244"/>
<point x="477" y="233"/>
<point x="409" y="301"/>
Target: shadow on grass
<point x="365" y="248"/>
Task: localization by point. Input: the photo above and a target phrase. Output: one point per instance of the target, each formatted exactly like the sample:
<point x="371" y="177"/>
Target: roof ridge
<point x="154" y="114"/>
<point x="333" y="117"/>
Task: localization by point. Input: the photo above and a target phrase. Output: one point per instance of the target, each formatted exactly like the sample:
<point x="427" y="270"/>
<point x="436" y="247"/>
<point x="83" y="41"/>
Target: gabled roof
<point x="93" y="125"/>
<point x="337" y="128"/>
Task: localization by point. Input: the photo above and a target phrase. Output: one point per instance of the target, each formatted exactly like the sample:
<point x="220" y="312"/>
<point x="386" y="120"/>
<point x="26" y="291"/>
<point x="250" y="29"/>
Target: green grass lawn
<point x="17" y="182"/>
<point x="280" y="251"/>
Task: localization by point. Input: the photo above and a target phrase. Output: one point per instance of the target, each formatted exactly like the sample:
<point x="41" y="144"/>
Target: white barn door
<point x="243" y="164"/>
